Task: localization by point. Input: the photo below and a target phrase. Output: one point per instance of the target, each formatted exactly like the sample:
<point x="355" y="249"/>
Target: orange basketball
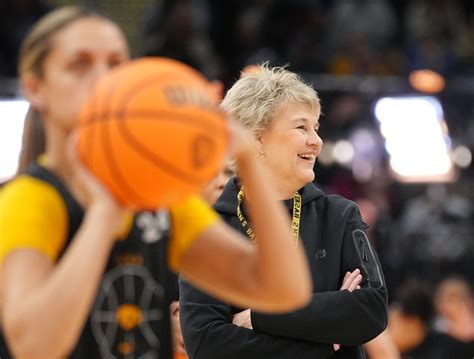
<point x="152" y="132"/>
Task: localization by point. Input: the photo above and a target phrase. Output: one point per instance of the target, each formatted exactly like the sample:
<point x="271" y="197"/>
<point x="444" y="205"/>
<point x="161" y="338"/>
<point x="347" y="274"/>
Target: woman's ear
<point x="31" y="86"/>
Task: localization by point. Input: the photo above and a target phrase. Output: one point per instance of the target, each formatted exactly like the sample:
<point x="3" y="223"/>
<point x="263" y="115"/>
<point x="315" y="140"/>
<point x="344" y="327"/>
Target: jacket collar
<point x="227" y="202"/>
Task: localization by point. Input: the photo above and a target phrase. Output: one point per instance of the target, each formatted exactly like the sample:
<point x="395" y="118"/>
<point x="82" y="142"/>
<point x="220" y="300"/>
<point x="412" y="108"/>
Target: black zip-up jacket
<point x="333" y="235"/>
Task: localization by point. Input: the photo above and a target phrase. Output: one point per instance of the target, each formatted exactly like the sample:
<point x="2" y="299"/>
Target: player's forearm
<point x="280" y="266"/>
<point x="49" y="321"/>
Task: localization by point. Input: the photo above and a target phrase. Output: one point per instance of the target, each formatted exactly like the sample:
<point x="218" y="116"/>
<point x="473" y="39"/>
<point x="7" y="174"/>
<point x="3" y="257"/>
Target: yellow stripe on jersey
<point x="33" y="215"/>
<point x="188" y="220"/>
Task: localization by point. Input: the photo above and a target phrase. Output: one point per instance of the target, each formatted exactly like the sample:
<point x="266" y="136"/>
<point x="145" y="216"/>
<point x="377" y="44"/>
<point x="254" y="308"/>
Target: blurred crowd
<point x="323" y="36"/>
<point x="339" y="37"/>
<point x="422" y="232"/>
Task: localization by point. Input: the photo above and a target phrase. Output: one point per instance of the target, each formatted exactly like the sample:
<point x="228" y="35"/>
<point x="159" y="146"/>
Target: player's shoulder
<point x="194" y="205"/>
<point x="27" y="190"/>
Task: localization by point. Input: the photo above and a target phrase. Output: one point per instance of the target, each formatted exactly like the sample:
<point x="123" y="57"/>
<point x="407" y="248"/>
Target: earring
<point x="261" y="155"/>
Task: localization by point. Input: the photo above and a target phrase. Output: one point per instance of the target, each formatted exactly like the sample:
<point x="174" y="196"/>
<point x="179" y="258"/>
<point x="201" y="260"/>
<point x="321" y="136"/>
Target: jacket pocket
<point x="367" y="258"/>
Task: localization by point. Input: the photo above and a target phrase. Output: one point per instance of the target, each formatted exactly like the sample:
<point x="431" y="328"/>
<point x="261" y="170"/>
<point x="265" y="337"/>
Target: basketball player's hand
<point x="177" y="336"/>
<point x="91" y="193"/>
<point x="243" y="319"/>
<point x="352" y="280"/>
<point x="242" y="141"/>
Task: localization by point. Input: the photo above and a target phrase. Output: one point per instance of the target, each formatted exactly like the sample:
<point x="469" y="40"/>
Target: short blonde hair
<point x="256" y="96"/>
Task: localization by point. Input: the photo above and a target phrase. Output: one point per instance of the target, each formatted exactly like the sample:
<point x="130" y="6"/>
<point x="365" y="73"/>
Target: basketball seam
<point x="149" y="156"/>
<point x="114" y="168"/>
<point x="154" y="158"/>
<point x="112" y="165"/>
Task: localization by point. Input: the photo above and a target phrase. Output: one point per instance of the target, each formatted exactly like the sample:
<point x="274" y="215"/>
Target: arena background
<point x="407" y="160"/>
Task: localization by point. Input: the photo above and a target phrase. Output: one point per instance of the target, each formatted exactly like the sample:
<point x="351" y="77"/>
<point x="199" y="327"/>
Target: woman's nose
<point x="100" y="70"/>
<point x="315" y="140"/>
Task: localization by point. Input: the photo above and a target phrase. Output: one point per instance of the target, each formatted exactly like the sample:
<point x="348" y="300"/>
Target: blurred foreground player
<point x="82" y="278"/>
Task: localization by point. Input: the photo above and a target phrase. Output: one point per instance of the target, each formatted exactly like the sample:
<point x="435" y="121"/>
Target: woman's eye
<point x="79" y="65"/>
<point x="302" y="127"/>
<point x="115" y="62"/>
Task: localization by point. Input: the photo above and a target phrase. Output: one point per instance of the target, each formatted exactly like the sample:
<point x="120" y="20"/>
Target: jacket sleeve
<point x="208" y="333"/>
<point x="347" y="318"/>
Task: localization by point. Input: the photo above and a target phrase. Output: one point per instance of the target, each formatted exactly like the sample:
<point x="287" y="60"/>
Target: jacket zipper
<point x="367" y="258"/>
<point x="364" y="251"/>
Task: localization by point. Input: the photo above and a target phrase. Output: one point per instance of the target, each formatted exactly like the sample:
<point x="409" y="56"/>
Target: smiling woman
<point x="349" y="302"/>
<point x="295" y="124"/>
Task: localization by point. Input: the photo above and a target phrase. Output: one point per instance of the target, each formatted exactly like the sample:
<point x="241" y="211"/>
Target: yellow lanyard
<point x="295" y="222"/>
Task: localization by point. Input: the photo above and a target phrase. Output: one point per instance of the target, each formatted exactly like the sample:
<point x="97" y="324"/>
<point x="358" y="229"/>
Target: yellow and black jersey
<point x="130" y="316"/>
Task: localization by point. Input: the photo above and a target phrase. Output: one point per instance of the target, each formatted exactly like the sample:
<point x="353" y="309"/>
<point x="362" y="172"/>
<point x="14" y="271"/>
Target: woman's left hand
<point x="352" y="280"/>
<point x="243" y="319"/>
